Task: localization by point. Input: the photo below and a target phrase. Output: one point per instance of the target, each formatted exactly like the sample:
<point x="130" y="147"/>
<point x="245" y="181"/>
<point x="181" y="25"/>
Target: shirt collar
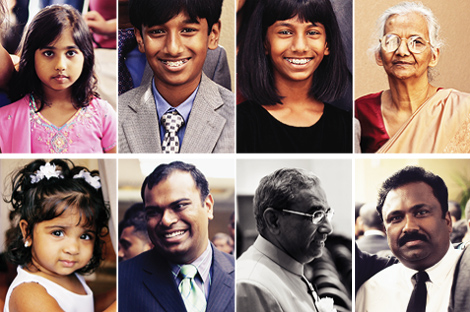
<point x="438" y="272"/>
<point x="163" y="106"/>
<point x="278" y="256"/>
<point x="202" y="263"/>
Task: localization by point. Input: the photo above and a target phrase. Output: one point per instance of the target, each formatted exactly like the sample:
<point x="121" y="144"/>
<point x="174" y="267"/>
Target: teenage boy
<point x="180" y="110"/>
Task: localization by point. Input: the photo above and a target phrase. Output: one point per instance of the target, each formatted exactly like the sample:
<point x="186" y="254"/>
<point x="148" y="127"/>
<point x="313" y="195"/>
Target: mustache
<point x="411" y="237"/>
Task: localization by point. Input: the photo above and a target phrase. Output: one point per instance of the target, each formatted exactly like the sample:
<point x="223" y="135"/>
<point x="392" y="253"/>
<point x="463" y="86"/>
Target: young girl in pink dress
<point x="59" y="236"/>
<point x="57" y="109"/>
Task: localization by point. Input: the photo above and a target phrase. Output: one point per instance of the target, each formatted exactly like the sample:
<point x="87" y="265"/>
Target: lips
<point x="174" y="234"/>
<point x="68" y="263"/>
<point x="298" y="61"/>
<point x="175" y="63"/>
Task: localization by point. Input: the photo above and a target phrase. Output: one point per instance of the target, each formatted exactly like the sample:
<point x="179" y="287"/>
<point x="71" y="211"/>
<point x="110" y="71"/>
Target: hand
<point x="99" y="25"/>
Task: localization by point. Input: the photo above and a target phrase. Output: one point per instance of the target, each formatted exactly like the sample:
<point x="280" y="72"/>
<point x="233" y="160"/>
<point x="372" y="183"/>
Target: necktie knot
<point x="421" y="277"/>
<point x="172" y="122"/>
<point x="188" y="271"/>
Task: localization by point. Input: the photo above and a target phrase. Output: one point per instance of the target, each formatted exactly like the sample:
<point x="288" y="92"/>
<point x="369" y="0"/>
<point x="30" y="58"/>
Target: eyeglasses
<point x="391" y="43"/>
<point x="317" y="217"/>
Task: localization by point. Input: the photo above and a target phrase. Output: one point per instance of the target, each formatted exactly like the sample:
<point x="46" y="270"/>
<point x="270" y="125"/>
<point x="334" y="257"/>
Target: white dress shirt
<point x="390" y="290"/>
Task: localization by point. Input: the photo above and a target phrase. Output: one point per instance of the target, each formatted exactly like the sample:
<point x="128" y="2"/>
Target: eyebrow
<point x="174" y="203"/>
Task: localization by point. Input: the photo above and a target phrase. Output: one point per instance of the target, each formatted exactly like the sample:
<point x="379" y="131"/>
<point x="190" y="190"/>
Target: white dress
<point x="67" y="300"/>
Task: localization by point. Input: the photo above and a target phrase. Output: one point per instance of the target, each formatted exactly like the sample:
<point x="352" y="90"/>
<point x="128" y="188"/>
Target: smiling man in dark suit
<point x="178" y="207"/>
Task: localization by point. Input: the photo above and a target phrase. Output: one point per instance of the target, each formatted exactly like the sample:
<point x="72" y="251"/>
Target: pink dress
<point x="91" y="129"/>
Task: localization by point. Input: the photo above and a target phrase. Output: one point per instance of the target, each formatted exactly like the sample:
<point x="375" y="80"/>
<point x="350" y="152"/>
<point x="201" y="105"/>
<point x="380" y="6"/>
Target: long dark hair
<point x="45" y="28"/>
<point x="255" y="72"/>
<point x="38" y="201"/>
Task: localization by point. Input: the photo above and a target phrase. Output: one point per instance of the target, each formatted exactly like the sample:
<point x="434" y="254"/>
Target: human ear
<point x="140" y="40"/>
<point x="214" y="35"/>
<point x="378" y="58"/>
<point x="271" y="219"/>
<point x="209" y="206"/>
<point x="448" y="220"/>
<point x="435" y="57"/>
<point x="24" y="231"/>
<point x="327" y="49"/>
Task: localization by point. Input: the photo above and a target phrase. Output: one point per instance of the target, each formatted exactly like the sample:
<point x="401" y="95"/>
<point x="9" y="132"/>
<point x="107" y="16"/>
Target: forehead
<point x="407" y="24"/>
<point x="178" y="184"/>
<point x="409" y="196"/>
<point x="70" y="217"/>
<point x="296" y="21"/>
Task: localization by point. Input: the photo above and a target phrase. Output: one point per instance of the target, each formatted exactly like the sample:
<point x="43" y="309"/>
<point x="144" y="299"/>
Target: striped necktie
<point x="193" y="297"/>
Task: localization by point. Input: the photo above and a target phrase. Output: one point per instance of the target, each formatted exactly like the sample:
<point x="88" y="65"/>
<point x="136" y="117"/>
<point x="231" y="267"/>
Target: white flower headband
<point x="48" y="171"/>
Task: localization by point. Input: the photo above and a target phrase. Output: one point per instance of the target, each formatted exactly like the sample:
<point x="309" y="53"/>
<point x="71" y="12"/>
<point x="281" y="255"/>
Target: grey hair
<point x="279" y="190"/>
<point x="401" y="9"/>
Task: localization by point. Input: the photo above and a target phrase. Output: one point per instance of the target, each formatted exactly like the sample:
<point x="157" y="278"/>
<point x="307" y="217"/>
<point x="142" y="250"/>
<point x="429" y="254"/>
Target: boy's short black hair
<point x="158" y="12"/>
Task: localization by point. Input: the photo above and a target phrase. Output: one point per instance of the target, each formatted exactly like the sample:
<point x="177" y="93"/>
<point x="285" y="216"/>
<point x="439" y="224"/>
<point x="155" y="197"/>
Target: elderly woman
<point x="412" y="116"/>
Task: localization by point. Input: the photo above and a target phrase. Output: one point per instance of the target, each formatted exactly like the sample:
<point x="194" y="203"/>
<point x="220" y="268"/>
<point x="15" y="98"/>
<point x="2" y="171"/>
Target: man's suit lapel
<point x="205" y="125"/>
<point x="144" y="117"/>
<point x="159" y="281"/>
<point x="222" y="288"/>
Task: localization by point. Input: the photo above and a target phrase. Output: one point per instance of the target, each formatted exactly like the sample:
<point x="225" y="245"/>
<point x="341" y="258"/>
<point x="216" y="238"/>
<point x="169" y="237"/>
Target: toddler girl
<point x="62" y="219"/>
<point x="56" y="108"/>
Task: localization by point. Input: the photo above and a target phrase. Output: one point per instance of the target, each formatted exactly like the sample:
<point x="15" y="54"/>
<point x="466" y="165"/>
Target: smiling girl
<point x="291" y="63"/>
<point x="62" y="219"/>
<point x="57" y="108"/>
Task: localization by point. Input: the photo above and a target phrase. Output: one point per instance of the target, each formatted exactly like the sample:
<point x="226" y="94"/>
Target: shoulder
<point x="32" y="296"/>
<point x="372" y="97"/>
<point x="15" y="106"/>
<point x="340" y="113"/>
<point x="455" y="95"/>
<point x="134" y="96"/>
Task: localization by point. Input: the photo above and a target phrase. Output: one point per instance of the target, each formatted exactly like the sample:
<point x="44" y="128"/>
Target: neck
<point x="410" y="95"/>
<point x="295" y="92"/>
<point x="176" y="95"/>
<point x="62" y="97"/>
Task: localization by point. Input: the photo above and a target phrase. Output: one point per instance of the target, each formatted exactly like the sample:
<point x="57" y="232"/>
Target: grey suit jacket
<point x="270" y="280"/>
<point x="210" y="127"/>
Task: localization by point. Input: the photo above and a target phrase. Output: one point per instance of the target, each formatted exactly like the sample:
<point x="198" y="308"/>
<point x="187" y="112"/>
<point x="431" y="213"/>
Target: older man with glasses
<point x="293" y="220"/>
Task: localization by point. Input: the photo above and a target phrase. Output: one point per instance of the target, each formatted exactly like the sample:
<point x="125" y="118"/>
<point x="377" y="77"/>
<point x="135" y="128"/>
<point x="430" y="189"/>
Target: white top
<point x="67" y="300"/>
<point x="390" y="290"/>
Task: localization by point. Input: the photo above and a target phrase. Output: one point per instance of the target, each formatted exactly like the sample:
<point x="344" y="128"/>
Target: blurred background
<point x="332" y="272"/>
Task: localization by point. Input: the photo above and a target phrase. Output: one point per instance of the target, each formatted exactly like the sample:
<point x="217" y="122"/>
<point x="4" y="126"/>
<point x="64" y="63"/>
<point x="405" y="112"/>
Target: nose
<point x="300" y="43"/>
<point x="325" y="226"/>
<point x="169" y="217"/>
<point x="410" y="225"/>
<point x="174" y="44"/>
<point x="403" y="48"/>
<point x="61" y="63"/>
<point x="120" y="252"/>
<point x="72" y="246"/>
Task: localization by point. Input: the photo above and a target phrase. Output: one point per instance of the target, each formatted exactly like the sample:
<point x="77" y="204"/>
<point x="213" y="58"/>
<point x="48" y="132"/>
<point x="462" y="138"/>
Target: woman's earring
<point x="26" y="244"/>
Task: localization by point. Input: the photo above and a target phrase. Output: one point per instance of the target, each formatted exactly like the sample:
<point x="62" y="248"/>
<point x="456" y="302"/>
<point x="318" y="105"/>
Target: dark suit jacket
<point x="368" y="265"/>
<point x="372" y="243"/>
<point x="146" y="284"/>
<point x="460" y="294"/>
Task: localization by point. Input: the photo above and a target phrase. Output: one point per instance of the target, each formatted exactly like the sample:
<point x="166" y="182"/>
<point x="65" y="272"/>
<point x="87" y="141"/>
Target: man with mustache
<point x="413" y="204"/>
<point x="293" y="220"/>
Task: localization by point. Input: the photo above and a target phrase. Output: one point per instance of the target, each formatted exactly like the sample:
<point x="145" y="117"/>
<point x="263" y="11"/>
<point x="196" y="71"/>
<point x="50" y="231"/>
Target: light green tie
<point x="193" y="297"/>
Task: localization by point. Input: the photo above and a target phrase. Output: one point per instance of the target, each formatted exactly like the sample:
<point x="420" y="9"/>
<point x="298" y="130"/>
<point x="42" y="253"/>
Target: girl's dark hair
<point x="45" y="28"/>
<point x="255" y="72"/>
<point x="48" y="199"/>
